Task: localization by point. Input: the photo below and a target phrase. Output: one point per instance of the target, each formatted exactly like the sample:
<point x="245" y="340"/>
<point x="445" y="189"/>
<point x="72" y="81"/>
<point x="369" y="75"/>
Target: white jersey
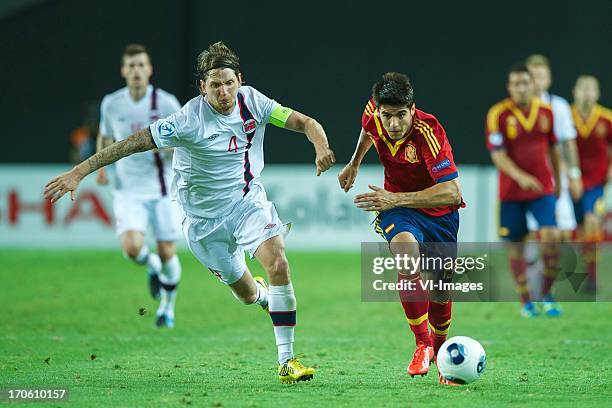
<point x="145" y="175"/>
<point x="563" y="125"/>
<point x="217" y="158"/>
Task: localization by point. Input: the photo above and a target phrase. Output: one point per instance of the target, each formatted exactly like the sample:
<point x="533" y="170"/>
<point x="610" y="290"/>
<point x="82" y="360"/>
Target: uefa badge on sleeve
<point x="166" y="128"/>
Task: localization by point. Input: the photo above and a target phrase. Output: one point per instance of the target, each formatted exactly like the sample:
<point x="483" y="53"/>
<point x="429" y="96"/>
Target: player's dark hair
<point x="393" y="89"/>
<point x="218" y="55"/>
<point x="519" y="67"/>
<point x="134" y="49"/>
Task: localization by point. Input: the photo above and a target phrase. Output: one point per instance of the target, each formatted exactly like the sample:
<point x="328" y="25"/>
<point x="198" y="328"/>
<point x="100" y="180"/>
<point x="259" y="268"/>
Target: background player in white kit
<point x="141" y="182"/>
<point x="218" y="141"/>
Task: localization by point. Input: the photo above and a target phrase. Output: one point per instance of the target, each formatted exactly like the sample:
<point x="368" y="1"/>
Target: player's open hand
<point x="324" y="160"/>
<point x="102" y="178"/>
<point x="347" y="177"/>
<point x="379" y="200"/>
<point x="528" y="182"/>
<point x="56" y="188"/>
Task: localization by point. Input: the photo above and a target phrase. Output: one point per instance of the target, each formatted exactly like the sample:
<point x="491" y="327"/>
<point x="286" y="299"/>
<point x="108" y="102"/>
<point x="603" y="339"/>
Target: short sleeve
<point x="105" y="126"/>
<point x="368" y="111"/>
<point x="175" y="130"/>
<point x="263" y="105"/>
<point x="438" y="154"/>
<point x="494" y="139"/>
<point x="563" y="124"/>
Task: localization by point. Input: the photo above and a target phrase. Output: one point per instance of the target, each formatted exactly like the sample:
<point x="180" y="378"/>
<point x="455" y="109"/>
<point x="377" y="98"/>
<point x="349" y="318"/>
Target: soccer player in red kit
<point x="594" y="126"/>
<point x="523" y="146"/>
<point x="418" y="205"/>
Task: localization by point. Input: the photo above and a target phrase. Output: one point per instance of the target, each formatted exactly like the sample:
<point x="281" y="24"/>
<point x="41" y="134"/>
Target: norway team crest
<point x="249" y="125"/>
<point x="410" y="153"/>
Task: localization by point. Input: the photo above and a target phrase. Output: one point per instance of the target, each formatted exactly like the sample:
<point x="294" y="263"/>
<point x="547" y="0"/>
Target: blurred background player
<point x="523" y="146"/>
<point x="141" y="182"/>
<point x="569" y="167"/>
<point x="594" y="126"/>
<point x="218" y="137"/>
<point x="418" y="205"/>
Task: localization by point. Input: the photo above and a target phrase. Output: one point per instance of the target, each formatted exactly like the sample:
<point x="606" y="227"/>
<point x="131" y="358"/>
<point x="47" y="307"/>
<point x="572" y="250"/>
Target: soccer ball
<point x="461" y="360"/>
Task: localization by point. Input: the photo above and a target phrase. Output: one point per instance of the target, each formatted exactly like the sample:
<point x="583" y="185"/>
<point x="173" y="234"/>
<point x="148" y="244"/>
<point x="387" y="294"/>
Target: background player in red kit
<point x="523" y="146"/>
<point x="419" y="203"/>
<point x="594" y="126"/>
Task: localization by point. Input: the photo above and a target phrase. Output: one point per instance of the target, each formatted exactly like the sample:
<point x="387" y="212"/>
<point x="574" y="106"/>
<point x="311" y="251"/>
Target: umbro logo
<point x="270" y="226"/>
<point x="212" y="137"/>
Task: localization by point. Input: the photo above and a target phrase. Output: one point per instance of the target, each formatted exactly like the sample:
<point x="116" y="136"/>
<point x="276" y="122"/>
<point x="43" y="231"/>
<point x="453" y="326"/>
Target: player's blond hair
<point x="217" y="55"/>
<point x="587" y="77"/>
<point x="537" y="60"/>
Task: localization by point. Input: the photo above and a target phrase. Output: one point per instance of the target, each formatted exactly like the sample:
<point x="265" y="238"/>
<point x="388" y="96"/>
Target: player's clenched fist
<point x="56" y="188"/>
<point x="347" y="177"/>
<point x="324" y="160"/>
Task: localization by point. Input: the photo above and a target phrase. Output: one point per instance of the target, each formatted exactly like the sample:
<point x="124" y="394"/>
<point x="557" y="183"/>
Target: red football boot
<point x="422" y="358"/>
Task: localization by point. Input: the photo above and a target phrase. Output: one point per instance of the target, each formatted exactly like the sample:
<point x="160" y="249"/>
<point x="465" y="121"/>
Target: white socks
<point x="148" y="258"/>
<point x="169" y="277"/>
<point x="282" y="306"/>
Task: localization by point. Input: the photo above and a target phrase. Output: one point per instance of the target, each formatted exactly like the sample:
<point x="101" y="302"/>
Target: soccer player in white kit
<point x="218" y="142"/>
<point x="141" y="182"/>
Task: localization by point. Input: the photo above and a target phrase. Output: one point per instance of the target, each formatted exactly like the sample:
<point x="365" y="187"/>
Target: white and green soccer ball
<point x="461" y="360"/>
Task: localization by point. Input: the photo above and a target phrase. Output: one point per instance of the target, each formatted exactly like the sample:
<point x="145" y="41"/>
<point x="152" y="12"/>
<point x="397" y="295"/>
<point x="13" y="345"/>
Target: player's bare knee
<point x="405" y="243"/>
<point x="132" y="249"/>
<point x="166" y="250"/>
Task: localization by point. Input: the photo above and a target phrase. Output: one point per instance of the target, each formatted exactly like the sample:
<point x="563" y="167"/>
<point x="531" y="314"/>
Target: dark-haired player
<point x="218" y="141"/>
<point x="141" y="182"/>
<point x="419" y="203"/>
<point x="523" y="146"/>
<point x="594" y="126"/>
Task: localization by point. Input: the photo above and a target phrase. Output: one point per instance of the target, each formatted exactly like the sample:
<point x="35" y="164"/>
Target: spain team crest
<point x="410" y="153"/>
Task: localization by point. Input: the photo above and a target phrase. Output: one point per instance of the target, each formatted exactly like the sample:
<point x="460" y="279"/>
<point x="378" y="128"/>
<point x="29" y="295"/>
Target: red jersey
<point x="594" y="138"/>
<point x="527" y="137"/>
<point x="417" y="161"/>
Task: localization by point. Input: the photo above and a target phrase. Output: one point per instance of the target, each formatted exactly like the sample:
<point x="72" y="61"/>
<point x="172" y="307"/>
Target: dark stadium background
<point x="59" y="57"/>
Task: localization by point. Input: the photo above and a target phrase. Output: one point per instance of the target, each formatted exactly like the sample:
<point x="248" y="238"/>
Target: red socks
<point x="519" y="271"/>
<point x="439" y="321"/>
<point x="415" y="303"/>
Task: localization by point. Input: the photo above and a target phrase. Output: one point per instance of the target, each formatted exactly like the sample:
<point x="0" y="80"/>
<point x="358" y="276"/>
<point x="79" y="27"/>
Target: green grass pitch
<point x="71" y="319"/>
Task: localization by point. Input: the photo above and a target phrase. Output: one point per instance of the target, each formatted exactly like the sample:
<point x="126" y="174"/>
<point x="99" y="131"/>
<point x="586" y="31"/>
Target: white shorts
<point x="220" y="243"/>
<point x="133" y="214"/>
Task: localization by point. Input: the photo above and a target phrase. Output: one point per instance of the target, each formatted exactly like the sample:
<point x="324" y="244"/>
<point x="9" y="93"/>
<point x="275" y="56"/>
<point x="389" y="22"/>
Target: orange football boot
<point x="422" y="358"/>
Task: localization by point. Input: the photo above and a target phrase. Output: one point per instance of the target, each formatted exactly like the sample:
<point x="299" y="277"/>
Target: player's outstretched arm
<point x="313" y="130"/>
<point x="506" y="165"/>
<point x="347" y="176"/>
<point x="102" y="142"/>
<point x="139" y="142"/>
